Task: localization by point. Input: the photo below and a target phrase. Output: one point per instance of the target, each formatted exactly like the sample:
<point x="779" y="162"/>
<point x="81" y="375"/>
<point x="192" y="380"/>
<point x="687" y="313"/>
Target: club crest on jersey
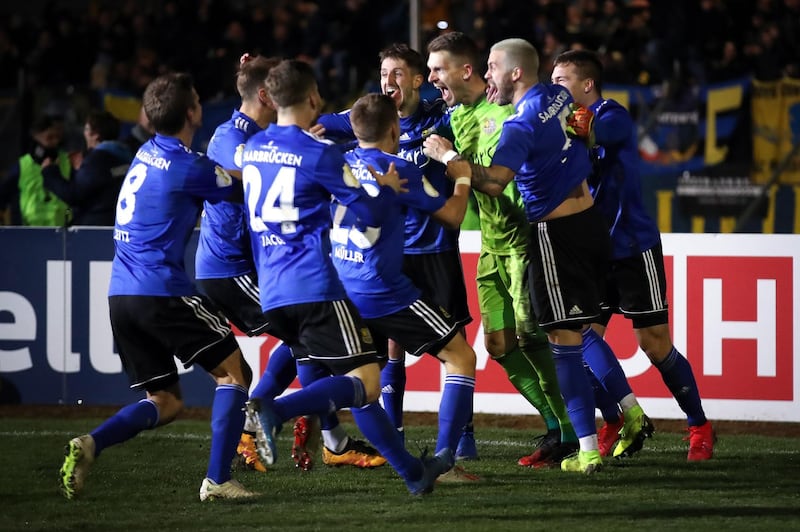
<point x="224" y="179"/>
<point x="428" y="188"/>
<point x="349" y="179"/>
<point x="366" y="336"/>
<point x="428" y="132"/>
<point x="489" y="126"/>
<point x="237" y="157"/>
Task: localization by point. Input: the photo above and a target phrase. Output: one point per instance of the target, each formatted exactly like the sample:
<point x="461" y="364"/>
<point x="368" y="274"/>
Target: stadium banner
<point x="683" y="128"/>
<point x="734" y="309"/>
<point x="776" y="129"/>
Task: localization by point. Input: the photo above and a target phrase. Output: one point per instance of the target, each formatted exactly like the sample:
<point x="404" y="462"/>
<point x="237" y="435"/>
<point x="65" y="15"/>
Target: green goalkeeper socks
<point x="524" y="378"/>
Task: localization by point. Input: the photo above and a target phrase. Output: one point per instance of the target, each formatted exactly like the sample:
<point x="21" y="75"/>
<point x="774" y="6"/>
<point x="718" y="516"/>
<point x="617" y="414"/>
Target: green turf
<point x="152" y="482"/>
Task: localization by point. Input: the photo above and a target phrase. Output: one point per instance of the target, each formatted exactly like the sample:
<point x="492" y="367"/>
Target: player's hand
<point x="580" y="122"/>
<point x="436" y="146"/>
<point x="245" y="58"/>
<point x="317" y="129"/>
<point x="391" y="178"/>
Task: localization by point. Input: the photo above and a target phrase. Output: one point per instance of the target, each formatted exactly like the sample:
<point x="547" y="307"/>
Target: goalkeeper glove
<point x="580" y="122"/>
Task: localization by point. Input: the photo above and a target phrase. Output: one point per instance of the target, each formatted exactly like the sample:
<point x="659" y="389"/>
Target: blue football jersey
<point x="422" y="234"/>
<point x="535" y="145"/>
<point x="289" y="176"/>
<point x="616" y="185"/>
<point x="223" y="249"/>
<point x="369" y="259"/>
<point x="157" y="210"/>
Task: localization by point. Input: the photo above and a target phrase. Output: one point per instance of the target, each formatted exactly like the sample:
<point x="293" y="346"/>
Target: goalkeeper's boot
<point x="635" y="430"/>
<point x="232" y="489"/>
<point x="586" y="462"/>
<point x="701" y="442"/>
<point x="268" y="425"/>
<point x="79" y="455"/>
<point x="356" y="453"/>
<point x="608" y="435"/>
<point x="247" y="456"/>
<point x="543" y="448"/>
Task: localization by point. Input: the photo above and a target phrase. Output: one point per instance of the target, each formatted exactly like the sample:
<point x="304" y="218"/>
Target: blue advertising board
<point x="56" y="345"/>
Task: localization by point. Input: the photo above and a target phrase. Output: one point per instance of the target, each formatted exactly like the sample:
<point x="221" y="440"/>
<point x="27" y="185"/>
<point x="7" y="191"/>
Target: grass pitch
<point x="152" y="482"/>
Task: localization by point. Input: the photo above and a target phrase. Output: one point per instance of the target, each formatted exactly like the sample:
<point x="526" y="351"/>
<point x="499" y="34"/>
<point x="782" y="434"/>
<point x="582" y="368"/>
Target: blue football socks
<point x="605" y="366"/>
<point x="678" y="376"/>
<point x="393" y="387"/>
<point x="455" y="410"/>
<point x="227" y="418"/>
<point x="575" y="387"/>
<point x="378" y="429"/>
<point x="129" y="421"/>
<point x="278" y="375"/>
<point x="321" y="397"/>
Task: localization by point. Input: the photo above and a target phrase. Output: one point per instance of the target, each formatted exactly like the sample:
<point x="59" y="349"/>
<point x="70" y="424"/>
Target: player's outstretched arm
<point x="452" y="212"/>
<point x="490" y="180"/>
<point x="390" y="179"/>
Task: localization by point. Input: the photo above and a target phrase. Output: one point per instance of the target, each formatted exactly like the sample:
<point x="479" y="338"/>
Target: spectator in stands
<point x="92" y="190"/>
<point x="140" y="133"/>
<point x="23" y="190"/>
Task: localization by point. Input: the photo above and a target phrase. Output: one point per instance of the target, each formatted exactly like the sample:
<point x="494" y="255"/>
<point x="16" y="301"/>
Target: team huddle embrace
<point x="338" y="235"/>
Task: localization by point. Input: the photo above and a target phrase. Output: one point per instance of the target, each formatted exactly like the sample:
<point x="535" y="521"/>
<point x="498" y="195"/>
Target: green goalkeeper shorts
<point x="503" y="295"/>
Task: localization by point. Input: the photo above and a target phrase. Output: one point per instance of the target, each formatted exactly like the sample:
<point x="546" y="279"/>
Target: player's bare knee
<point x="169" y="405"/>
<point x="655" y="342"/>
<point x="458" y="357"/>
<point x="370" y="377"/>
<point x="233" y="370"/>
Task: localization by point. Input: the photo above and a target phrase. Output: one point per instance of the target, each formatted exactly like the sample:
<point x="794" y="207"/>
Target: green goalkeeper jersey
<point x="504" y="226"/>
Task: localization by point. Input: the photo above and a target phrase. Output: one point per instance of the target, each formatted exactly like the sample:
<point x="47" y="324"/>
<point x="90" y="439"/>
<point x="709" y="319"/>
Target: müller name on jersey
<point x="342" y="253"/>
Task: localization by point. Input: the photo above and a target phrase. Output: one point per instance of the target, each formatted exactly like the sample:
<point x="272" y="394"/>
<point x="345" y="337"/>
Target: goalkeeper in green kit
<point x="511" y="334"/>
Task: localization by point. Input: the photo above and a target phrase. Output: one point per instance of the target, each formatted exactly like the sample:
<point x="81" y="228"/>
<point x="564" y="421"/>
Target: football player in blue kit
<point x="224" y="267"/>
<point x="369" y="259"/>
<point x="156" y="312"/>
<point x="225" y="270"/>
<point x="431" y="256"/>
<point x="289" y="177"/>
<point x="637" y="280"/>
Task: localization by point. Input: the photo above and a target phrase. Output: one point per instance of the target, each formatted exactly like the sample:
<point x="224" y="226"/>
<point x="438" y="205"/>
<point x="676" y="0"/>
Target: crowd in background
<point x="70" y="48"/>
<point x="124" y="44"/>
